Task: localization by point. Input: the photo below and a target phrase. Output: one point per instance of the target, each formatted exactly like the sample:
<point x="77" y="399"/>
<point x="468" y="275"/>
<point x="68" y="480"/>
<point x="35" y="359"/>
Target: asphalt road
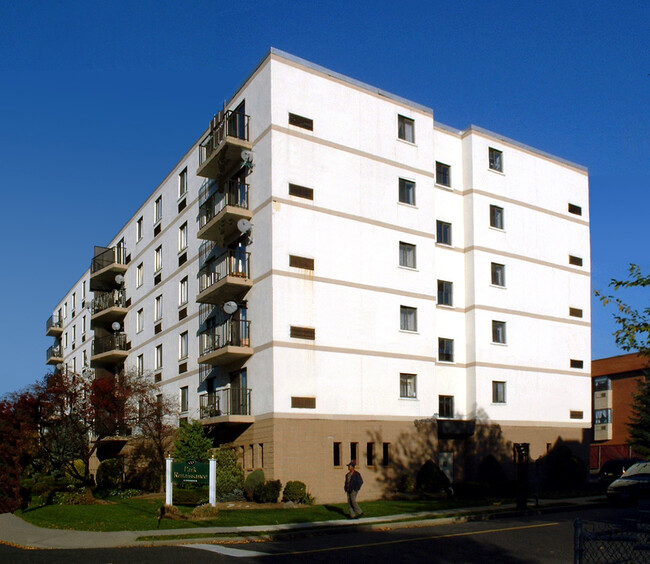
<point x="533" y="539"/>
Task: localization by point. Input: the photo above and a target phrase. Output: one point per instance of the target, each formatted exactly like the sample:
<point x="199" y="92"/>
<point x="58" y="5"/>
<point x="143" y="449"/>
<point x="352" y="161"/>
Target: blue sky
<point x="99" y="100"/>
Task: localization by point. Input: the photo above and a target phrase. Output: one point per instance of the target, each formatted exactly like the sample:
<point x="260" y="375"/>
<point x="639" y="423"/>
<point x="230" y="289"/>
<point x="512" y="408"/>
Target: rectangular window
<point x="83" y="290"/>
<point x="301" y="192"/>
<point x="74" y="301"/>
<point x="408" y="318"/>
<point x="577" y="414"/>
<point x="140" y="366"/>
<point x="65" y="310"/>
<point x="158" y="359"/>
<point x="303" y="402"/>
<point x="406" y="191"/>
<point x="385" y="454"/>
<point x="406" y="129"/>
<point x="577" y="363"/>
<point x="302" y="333"/>
<point x="601" y="416"/>
<point x="370" y="454"/>
<point x="577" y="210"/>
<point x="496" y="159"/>
<point x="139" y="275"/>
<point x="354" y="449"/>
<point x="139" y="320"/>
<point x="443" y="174"/>
<point x="443" y="232"/>
<point x="74" y="333"/>
<point x="85" y="357"/>
<point x="336" y="452"/>
<point x="446" y="406"/>
<point x="65" y="339"/>
<point x="182" y="183"/>
<point x="406" y="255"/>
<point x="602" y="384"/>
<point x="407" y="386"/>
<point x="445" y="293"/>
<point x="496" y="217"/>
<point x="300" y="121"/>
<point x="301" y="262"/>
<point x="498" y="274"/>
<point x="157" y="209"/>
<point x="575" y="312"/>
<point x="157" y="308"/>
<point x="498" y="392"/>
<point x="157" y="259"/>
<point x="446" y="350"/>
<point x="182" y="237"/>
<point x="182" y="291"/>
<point x="184" y="399"/>
<point x="138" y="229"/>
<point x="183" y="345"/>
<point x="576" y="261"/>
<point x="83" y="325"/>
<point x="499" y="332"/>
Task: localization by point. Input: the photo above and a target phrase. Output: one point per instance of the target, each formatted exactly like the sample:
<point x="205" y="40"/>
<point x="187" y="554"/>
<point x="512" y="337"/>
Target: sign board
<point x="190" y="472"/>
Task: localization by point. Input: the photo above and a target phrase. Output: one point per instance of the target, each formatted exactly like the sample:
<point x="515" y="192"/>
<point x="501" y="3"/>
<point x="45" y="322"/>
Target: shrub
<point x="295" y="491"/>
<point x="430" y="478"/>
<point x="203" y="511"/>
<point x="470" y="490"/>
<point x="235" y="495"/>
<point x="190" y="496"/>
<point x="81" y="497"/>
<point x="563" y="469"/>
<point x="230" y="475"/>
<point x="252" y="481"/>
<point x="492" y="474"/>
<point x="124" y="494"/>
<point x="267" y="492"/>
<point x="406" y="484"/>
<point x="109" y="474"/>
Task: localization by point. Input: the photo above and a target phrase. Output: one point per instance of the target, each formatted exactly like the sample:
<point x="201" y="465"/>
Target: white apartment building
<point x="328" y="265"/>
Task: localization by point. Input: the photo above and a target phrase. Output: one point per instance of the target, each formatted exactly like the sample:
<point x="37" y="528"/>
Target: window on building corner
<point x="408" y="318"/>
<point x="407" y="386"/>
<point x="157" y="259"/>
<point x="182" y="183"/>
<point x="406" y="129"/>
<point x="443" y="174"/>
<point x="445" y="406"/>
<point x="498" y="392"/>
<point x="499" y="332"/>
<point x="139" y="275"/>
<point x="182" y="291"/>
<point x="443" y="232"/>
<point x="445" y="350"/>
<point x="407" y="255"/>
<point x="406" y="191"/>
<point x="445" y="293"/>
<point x="157" y="210"/>
<point x="496" y="217"/>
<point x="498" y="274"/>
<point x="496" y="159"/>
<point x="139" y="317"/>
<point x="140" y="367"/>
<point x="138" y="229"/>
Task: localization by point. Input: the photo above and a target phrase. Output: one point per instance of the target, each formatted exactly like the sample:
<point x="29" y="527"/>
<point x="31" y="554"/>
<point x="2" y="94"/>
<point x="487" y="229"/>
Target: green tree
<point x="639" y="425"/>
<point x="230" y="474"/>
<point x="191" y="443"/>
<point x="633" y="333"/>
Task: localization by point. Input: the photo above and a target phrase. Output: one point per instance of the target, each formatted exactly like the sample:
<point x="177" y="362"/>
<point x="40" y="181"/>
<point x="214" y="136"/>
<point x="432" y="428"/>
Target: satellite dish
<point x="230" y="307"/>
<point x="119" y="279"/>
<point x="116" y="326"/>
<point x="244" y="225"/>
<point x="247" y="156"/>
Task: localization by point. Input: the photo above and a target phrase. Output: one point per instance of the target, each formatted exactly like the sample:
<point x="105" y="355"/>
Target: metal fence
<point x="608" y="543"/>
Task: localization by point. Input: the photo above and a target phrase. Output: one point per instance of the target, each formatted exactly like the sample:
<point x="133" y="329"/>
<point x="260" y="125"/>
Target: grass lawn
<point x="141" y="514"/>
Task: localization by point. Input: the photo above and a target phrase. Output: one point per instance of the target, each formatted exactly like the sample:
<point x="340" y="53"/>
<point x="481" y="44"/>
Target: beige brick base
<point x="290" y="448"/>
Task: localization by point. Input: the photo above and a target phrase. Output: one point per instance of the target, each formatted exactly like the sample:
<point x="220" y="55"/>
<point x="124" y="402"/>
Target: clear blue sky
<point x="98" y="100"/>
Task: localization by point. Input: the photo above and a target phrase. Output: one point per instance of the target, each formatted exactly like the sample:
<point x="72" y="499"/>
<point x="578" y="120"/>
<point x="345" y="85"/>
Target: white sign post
<point x="212" y="488"/>
<point x="168" y="481"/>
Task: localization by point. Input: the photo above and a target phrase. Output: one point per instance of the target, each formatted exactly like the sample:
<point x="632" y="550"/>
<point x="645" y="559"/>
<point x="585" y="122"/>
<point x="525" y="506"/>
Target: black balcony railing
<point x="234" y="333"/>
<point x="114" y="255"/>
<point x="105" y="300"/>
<point x="109" y="343"/>
<point x="53" y="322"/>
<point x="233" y="124"/>
<point x="236" y="194"/>
<point x="226" y="401"/>
<point x="231" y="263"/>
<point x="54" y="352"/>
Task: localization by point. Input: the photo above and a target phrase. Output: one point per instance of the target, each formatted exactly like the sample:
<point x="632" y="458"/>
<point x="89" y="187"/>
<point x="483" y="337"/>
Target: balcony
<point x="111" y="349"/>
<point x="54" y="355"/>
<point x="108" y="307"/>
<point x="226" y="343"/>
<point x="221" y="149"/>
<point x="603" y="400"/>
<point x="105" y="266"/>
<point x="603" y="432"/>
<point x="219" y="214"/>
<point x="54" y="326"/>
<point x="226" y="405"/>
<point x="456" y="428"/>
<point x="226" y="278"/>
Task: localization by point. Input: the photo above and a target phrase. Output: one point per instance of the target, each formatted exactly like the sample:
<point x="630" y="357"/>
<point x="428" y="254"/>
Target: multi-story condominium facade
<point x="328" y="266"/>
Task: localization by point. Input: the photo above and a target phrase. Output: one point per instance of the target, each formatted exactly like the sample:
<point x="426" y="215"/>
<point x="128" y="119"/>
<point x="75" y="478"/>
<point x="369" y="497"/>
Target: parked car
<point x="631" y="486"/>
<point x="614" y="469"/>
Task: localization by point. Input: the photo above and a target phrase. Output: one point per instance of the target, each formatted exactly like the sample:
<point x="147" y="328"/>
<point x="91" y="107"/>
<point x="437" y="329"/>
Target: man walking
<point x="353" y="482"/>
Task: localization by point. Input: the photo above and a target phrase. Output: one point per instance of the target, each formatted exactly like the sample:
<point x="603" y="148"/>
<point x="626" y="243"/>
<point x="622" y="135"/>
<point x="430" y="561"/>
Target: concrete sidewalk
<point x="17" y="532"/>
